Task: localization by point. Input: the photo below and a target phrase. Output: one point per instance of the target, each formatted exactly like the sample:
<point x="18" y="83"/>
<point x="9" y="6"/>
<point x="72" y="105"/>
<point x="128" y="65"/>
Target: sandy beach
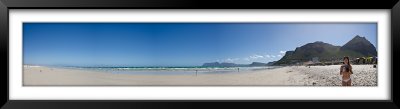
<point x="364" y="75"/>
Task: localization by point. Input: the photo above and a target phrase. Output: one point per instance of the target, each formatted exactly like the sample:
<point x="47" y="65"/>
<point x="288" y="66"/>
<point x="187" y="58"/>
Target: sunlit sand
<point x="364" y="75"/>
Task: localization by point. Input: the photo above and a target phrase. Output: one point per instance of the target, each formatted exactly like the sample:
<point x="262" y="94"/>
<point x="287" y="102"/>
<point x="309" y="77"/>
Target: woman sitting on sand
<point x="346" y="71"/>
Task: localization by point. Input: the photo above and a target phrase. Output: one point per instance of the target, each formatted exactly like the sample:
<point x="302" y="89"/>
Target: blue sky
<point x="177" y="44"/>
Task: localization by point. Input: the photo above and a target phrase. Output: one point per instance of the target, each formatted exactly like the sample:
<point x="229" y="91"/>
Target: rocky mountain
<point x="257" y="64"/>
<point x="271" y="63"/>
<point x="360" y="45"/>
<point x="357" y="47"/>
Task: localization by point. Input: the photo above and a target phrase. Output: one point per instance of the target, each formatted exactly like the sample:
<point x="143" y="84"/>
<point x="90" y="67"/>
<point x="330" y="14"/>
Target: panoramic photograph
<point x="200" y="54"/>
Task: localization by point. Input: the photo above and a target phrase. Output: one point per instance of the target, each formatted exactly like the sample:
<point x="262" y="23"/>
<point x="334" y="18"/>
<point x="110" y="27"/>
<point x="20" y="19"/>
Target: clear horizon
<point x="177" y="44"/>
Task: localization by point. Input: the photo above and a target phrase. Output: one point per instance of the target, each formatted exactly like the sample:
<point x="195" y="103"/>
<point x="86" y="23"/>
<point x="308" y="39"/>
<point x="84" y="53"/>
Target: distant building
<point x="308" y="63"/>
<point x="315" y="60"/>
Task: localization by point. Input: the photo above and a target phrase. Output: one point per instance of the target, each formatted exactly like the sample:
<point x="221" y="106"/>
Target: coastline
<point x="364" y="75"/>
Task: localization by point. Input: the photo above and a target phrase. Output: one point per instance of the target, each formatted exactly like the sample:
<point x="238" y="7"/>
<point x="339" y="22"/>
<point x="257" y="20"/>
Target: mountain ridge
<point x="356" y="47"/>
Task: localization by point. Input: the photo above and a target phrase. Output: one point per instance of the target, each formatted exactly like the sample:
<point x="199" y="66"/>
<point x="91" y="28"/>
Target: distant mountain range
<point x="357" y="47"/>
<point x="225" y="64"/>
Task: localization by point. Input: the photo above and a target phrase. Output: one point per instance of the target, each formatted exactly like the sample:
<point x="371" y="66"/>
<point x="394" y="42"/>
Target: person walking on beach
<point x="346" y="71"/>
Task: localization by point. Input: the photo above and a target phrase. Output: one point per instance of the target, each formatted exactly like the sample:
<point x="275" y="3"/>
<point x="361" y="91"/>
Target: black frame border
<point x="5" y="5"/>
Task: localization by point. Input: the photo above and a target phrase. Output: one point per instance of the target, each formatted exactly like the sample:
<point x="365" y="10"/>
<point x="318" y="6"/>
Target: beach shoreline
<point x="364" y="75"/>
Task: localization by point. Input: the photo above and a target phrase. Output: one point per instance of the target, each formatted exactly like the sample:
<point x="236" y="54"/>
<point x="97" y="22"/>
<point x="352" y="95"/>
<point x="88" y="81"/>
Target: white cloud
<point x="231" y="59"/>
<point x="279" y="55"/>
<point x="256" y="56"/>
<point x="282" y="52"/>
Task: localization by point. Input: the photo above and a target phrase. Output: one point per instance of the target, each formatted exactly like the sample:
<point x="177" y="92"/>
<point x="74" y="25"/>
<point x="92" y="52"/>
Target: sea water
<point x="172" y="70"/>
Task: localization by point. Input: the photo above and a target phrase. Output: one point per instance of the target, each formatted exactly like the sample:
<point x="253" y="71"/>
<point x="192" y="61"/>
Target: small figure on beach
<point x="346" y="71"/>
<point x="238" y="69"/>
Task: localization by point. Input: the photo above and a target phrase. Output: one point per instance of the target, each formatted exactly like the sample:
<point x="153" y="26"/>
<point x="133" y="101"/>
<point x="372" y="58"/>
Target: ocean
<point x="172" y="70"/>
